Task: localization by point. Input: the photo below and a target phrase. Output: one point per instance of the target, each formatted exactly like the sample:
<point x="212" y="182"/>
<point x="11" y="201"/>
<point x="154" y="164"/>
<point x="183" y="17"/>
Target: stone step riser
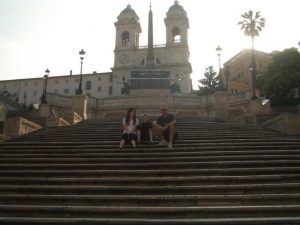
<point x="149" y="159"/>
<point x="151" y="173"/>
<point x="133" y="153"/>
<point x="123" y="221"/>
<point x="165" y="165"/>
<point x="148" y="212"/>
<point x="149" y="183"/>
<point x="148" y="202"/>
<point x="242" y="189"/>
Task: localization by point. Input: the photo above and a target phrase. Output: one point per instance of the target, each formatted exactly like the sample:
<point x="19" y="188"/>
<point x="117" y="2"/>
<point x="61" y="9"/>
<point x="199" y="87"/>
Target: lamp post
<point x="80" y="89"/>
<point x="219" y="49"/>
<point x="299" y="45"/>
<point x="45" y="78"/>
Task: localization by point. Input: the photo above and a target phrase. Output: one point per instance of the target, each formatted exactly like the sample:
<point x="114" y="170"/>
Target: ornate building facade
<point x="170" y="66"/>
<point x="171" y="57"/>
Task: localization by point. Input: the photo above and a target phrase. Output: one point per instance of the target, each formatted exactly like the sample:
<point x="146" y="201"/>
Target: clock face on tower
<point x="123" y="59"/>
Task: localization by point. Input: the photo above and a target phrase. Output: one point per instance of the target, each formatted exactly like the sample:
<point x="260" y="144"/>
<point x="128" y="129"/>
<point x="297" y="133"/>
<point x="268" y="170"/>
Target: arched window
<point x="176" y="35"/>
<point x="125" y="38"/>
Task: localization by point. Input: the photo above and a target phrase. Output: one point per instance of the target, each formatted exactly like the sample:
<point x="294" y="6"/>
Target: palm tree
<point x="252" y="24"/>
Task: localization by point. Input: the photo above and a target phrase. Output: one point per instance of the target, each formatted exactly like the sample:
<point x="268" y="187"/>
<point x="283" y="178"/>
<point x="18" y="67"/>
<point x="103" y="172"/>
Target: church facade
<point x="171" y="58"/>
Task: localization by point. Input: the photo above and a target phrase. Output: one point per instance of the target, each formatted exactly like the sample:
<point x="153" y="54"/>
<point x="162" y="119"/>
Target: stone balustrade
<point x="59" y="100"/>
<point x="18" y="126"/>
<point x="154" y="101"/>
<point x="239" y="98"/>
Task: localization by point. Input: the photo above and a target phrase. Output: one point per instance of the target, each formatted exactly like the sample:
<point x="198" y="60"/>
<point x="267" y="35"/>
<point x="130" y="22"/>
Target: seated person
<point x="129" y="125"/>
<point x="144" y="130"/>
<point x="165" y="127"/>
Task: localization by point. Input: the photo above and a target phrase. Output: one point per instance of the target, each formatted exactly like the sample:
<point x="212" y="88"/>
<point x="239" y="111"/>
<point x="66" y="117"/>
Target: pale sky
<point x="40" y="34"/>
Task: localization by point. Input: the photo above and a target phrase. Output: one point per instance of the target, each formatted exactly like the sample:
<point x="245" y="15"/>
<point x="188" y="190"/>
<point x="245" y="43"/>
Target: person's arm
<point x="125" y="126"/>
<point x="157" y="123"/>
<point x="171" y="123"/>
<point x="134" y="129"/>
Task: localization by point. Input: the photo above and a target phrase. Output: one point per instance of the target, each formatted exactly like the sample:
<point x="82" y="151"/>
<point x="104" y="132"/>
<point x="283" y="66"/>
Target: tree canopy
<point x="210" y="83"/>
<point x="252" y="23"/>
<point x="283" y="75"/>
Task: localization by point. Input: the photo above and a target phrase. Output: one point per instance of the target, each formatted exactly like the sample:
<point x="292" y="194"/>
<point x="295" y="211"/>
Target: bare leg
<point x="122" y="142"/>
<point x="158" y="131"/>
<point x="172" y="133"/>
<point x="150" y="135"/>
<point x="133" y="143"/>
<point x="138" y="136"/>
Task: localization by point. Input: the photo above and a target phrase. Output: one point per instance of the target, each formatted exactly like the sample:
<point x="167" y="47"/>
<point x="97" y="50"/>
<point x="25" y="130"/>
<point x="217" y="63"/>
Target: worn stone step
<point x="151" y="200"/>
<point x="149" y="165"/>
<point x="150" y="212"/>
<point x="146" y="181"/>
<point x="71" y="152"/>
<point x="115" y="143"/>
<point x="138" y="158"/>
<point x="270" y="188"/>
<point x="284" y="220"/>
<point x="152" y="172"/>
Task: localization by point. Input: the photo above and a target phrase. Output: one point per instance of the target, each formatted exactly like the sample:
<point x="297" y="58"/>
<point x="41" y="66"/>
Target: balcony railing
<point x="154" y="46"/>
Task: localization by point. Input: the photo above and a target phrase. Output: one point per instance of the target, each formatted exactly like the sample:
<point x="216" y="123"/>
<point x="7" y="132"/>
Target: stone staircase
<point x="217" y="174"/>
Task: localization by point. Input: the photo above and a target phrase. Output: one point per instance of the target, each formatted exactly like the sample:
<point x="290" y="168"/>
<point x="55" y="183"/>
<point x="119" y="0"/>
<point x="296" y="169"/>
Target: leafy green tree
<point x="283" y="75"/>
<point x="210" y="83"/>
<point x="252" y="24"/>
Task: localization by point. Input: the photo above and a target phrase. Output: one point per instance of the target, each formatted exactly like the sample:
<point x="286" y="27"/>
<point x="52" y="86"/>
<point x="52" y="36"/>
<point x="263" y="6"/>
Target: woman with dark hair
<point x="130" y="123"/>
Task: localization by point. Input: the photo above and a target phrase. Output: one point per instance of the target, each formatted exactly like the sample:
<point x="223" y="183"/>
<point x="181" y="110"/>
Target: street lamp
<point x="45" y="78"/>
<point x="219" y="49"/>
<point x="299" y="45"/>
<point x="80" y="89"/>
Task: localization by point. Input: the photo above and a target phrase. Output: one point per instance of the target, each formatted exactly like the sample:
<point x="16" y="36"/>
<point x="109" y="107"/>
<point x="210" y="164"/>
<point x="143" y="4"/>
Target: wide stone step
<point x="150" y="200"/>
<point x="149" y="212"/>
<point x="149" y="165"/>
<point x="133" y="159"/>
<point x="96" y="153"/>
<point x="152" y="172"/>
<point x="147" y="181"/>
<point x="197" y="143"/>
<point x="271" y="188"/>
<point x="284" y="220"/>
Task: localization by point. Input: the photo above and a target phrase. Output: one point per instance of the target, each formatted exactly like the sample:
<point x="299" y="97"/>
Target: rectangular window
<point x="99" y="89"/>
<point x="67" y="81"/>
<point x="110" y="78"/>
<point x="26" y="84"/>
<point x="110" y="91"/>
<point x="76" y="80"/>
<point x="35" y="83"/>
<point x="66" y="91"/>
<point x="34" y="93"/>
<point x="88" y="85"/>
<point x="99" y="78"/>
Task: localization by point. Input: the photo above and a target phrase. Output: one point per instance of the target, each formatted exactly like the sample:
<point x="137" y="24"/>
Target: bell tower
<point x="177" y="25"/>
<point x="128" y="29"/>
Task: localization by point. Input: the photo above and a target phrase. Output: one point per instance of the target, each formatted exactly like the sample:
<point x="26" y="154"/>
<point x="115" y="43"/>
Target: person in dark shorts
<point x="130" y="123"/>
<point x="165" y="127"/>
<point x="144" y="130"/>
